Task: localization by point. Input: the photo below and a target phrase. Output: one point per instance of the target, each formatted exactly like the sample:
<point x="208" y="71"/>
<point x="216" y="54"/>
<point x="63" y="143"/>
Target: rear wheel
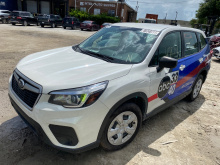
<point x="13" y="23"/>
<point x="122" y="127"/>
<point x="53" y="25"/>
<point x="64" y="27"/>
<point x="42" y="25"/>
<point x="92" y="29"/>
<point x="4" y="21"/>
<point x="82" y="29"/>
<point x="73" y="27"/>
<point x="196" y="89"/>
<point x="25" y="23"/>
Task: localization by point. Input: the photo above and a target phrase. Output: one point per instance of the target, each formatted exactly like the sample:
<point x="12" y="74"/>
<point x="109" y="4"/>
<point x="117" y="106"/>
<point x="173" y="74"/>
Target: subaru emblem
<point x="21" y="83"/>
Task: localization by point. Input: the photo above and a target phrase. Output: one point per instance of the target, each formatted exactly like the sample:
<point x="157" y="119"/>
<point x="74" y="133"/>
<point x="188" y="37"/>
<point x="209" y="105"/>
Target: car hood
<point x="64" y="68"/>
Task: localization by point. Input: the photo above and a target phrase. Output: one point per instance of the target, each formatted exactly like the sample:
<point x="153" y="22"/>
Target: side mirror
<point x="166" y="62"/>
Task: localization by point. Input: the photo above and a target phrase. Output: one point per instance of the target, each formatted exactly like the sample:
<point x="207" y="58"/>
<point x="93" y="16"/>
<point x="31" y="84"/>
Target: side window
<point x="190" y="43"/>
<point x="201" y="40"/>
<point x="170" y="46"/>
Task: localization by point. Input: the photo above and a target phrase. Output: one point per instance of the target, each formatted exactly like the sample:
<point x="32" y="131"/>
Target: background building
<point x="113" y="8"/>
<point x="62" y="7"/>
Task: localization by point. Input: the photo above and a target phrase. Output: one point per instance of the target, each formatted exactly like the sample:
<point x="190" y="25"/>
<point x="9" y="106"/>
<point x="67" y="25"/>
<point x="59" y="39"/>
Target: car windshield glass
<point x="67" y="19"/>
<point x="46" y="16"/>
<point x="15" y="13"/>
<point x="122" y="44"/>
<point x="87" y="21"/>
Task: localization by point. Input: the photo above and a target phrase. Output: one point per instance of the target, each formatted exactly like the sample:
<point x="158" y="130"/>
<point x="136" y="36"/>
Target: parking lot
<point x="185" y="133"/>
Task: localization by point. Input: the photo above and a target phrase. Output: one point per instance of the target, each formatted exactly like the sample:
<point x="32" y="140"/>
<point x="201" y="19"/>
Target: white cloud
<point x="186" y="8"/>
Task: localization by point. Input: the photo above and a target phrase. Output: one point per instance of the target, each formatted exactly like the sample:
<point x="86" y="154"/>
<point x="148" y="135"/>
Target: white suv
<point x="99" y="92"/>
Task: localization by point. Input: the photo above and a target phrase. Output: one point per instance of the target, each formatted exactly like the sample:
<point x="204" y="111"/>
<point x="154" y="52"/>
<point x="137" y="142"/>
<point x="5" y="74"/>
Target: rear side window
<point x="170" y="46"/>
<point x="201" y="40"/>
<point x="190" y="43"/>
<point x="15" y="13"/>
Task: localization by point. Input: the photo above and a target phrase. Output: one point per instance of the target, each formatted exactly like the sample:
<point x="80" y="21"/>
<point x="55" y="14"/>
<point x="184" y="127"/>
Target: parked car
<point x="22" y="17"/>
<point x="4" y="16"/>
<point x="38" y="16"/>
<point x="71" y="22"/>
<point x="214" y="41"/>
<point x="216" y="52"/>
<point x="50" y="20"/>
<point x="99" y="92"/>
<point x="89" y="25"/>
<point x="105" y="24"/>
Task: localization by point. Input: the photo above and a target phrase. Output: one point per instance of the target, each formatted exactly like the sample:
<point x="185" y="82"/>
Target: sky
<point x="186" y="9"/>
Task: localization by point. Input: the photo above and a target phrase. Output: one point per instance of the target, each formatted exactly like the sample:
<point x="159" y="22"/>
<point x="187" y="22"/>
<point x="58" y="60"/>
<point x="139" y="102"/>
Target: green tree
<point x="208" y="8"/>
<point x="100" y="18"/>
<point x="193" y="22"/>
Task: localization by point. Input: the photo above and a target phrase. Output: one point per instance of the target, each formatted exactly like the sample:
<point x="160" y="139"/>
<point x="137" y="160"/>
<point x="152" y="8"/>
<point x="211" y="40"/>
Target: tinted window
<point x="15" y="13"/>
<point x="170" y="46"/>
<point x="25" y="14"/>
<point x="190" y="43"/>
<point x="202" y="40"/>
<point x="67" y="19"/>
<point x="87" y="21"/>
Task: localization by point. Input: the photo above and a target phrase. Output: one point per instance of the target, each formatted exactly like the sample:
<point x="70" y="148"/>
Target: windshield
<point x="121" y="44"/>
<point x="15" y="13"/>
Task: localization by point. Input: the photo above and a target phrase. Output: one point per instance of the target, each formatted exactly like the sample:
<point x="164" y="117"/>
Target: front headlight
<point x="78" y="97"/>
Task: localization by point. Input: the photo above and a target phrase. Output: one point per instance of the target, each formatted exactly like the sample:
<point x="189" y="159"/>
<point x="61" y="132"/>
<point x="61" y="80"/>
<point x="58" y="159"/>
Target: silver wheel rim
<point x="122" y="128"/>
<point x="197" y="88"/>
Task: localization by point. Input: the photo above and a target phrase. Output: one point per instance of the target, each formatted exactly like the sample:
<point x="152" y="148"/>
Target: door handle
<point x="182" y="67"/>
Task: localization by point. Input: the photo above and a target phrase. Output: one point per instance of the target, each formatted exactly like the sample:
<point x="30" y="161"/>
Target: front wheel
<point x="13" y="23"/>
<point x="64" y="27"/>
<point x="42" y="25"/>
<point x="196" y="89"/>
<point x="122" y="127"/>
<point x="25" y="23"/>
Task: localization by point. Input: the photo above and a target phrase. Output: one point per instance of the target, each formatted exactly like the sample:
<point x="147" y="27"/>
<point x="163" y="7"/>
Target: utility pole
<point x="165" y="19"/>
<point x="137" y="7"/>
<point x="75" y="4"/>
<point x="176" y="15"/>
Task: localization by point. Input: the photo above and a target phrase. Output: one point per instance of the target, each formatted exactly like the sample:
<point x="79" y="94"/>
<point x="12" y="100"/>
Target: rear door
<point x="58" y="20"/>
<point x="194" y="54"/>
<point x="163" y="84"/>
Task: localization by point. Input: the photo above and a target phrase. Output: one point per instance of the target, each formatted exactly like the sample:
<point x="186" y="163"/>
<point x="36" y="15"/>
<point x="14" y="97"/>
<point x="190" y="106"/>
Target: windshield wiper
<point x="106" y="58"/>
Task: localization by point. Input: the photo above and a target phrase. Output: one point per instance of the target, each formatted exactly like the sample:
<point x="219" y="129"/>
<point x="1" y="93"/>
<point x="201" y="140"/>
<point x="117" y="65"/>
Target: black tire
<point x="105" y="144"/>
<point x="42" y="25"/>
<point x="64" y="27"/>
<point x="74" y="27"/>
<point x="191" y="96"/>
<point x="92" y="29"/>
<point x="4" y="21"/>
<point x="13" y="23"/>
<point x="25" y="23"/>
<point x="53" y="25"/>
<point x="81" y="29"/>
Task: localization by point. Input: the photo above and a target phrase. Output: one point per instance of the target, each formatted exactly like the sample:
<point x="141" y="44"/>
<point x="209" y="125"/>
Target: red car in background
<point x="214" y="41"/>
<point x="89" y="25"/>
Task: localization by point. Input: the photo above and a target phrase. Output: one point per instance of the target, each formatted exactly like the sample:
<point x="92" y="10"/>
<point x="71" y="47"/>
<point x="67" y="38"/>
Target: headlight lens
<point x="78" y="97"/>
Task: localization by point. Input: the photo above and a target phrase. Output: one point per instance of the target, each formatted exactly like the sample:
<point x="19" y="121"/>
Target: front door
<point x="163" y="84"/>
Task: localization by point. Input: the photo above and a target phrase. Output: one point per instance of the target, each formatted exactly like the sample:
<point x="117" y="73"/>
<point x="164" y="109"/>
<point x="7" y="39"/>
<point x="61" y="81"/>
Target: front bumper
<point x="86" y="122"/>
<point x="217" y="55"/>
<point x="16" y="21"/>
<point x="45" y="23"/>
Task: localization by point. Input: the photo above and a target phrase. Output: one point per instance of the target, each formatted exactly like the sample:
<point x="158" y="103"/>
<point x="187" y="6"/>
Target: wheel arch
<point x="139" y="98"/>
